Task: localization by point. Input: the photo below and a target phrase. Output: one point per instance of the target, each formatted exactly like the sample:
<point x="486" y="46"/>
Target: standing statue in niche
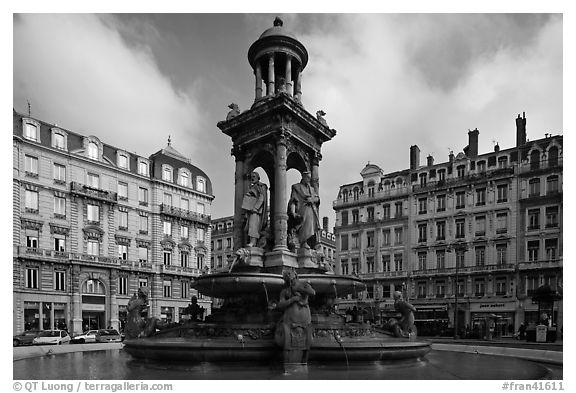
<point x="303" y="212"/>
<point x="255" y="206"/>
<point x="294" y="330"/>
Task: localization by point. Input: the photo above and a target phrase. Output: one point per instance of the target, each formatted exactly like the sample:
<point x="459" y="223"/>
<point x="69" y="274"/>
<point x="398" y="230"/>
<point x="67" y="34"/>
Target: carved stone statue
<point x="406" y="323"/>
<point x="240" y="257"/>
<point x="255" y="206"/>
<point x="294" y="330"/>
<point x="281" y="85"/>
<point x="135" y="324"/>
<point x="195" y="311"/>
<point x="235" y="111"/>
<point x="303" y="212"/>
<point x="320" y="116"/>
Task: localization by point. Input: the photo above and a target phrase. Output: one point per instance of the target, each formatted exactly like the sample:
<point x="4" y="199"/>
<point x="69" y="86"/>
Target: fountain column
<point x="239" y="178"/>
<point x="271" y="75"/>
<point x="280" y="202"/>
<point x="289" y="75"/>
<point x="258" y="80"/>
<point x="315" y="175"/>
<point x="298" y="86"/>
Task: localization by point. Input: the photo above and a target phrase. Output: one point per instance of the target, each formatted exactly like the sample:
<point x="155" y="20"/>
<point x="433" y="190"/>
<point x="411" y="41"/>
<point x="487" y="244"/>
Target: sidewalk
<point x="32" y="351"/>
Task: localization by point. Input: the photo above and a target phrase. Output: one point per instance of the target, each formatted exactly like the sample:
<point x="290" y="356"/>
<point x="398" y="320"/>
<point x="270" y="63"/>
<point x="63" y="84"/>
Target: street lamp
<point x="456" y="301"/>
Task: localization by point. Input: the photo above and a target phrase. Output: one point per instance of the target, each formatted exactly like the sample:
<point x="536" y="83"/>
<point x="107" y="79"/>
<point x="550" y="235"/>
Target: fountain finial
<point x="278" y="22"/>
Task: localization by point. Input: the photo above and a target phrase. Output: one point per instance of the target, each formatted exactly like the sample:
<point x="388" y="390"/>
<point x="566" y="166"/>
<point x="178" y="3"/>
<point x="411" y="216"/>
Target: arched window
<point x="94" y="287"/>
<point x="535" y="159"/>
<point x="166" y="173"/>
<point x="184" y="179"/>
<point x="93" y="150"/>
<point x="200" y="184"/>
<point x="553" y="156"/>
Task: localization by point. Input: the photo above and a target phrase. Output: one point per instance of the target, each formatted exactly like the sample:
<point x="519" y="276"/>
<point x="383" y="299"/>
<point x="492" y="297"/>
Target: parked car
<point x="25" y="338"/>
<point x="88" y="336"/>
<point x="56" y="337"/>
<point x="108" y="335"/>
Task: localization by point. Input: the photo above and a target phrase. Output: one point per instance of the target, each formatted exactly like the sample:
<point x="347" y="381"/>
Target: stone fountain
<point x="278" y="293"/>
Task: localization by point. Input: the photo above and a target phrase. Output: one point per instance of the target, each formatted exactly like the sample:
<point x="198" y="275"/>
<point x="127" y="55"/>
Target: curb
<point x="20" y="353"/>
<point x="542" y="356"/>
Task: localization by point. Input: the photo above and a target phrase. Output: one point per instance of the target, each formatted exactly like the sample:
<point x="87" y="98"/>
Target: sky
<point x="385" y="81"/>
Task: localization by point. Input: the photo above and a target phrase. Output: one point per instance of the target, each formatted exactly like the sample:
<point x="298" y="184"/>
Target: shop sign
<point x="492" y="307"/>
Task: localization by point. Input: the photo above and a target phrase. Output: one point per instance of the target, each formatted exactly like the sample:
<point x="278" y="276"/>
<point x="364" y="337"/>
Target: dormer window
<point x="59" y="141"/>
<point x="93" y="150"/>
<point x="31" y="130"/>
<point x="502" y="162"/>
<point x="184" y="178"/>
<point x="123" y="161"/>
<point x="167" y="173"/>
<point x="200" y="184"/>
<point x="481" y="165"/>
<point x="142" y="168"/>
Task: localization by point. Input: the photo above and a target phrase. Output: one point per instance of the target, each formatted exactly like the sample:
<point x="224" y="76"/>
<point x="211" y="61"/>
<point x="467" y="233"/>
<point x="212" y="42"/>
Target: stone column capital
<point x="238" y="152"/>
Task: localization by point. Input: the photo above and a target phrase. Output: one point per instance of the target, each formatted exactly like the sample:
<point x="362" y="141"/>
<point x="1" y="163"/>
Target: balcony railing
<point x="544" y="164"/>
<point x="464" y="270"/>
<point x="382" y="194"/>
<point x="93" y="193"/>
<point x="455" y="181"/>
<point x="549" y="263"/>
<point x="185" y="214"/>
<point x="180" y="269"/>
<point x="41" y="253"/>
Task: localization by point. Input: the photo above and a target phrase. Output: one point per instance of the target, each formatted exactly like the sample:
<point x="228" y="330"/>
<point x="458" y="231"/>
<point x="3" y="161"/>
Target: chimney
<point x="429" y="160"/>
<point x="325" y="224"/>
<point x="496" y="148"/>
<point x="414" y="157"/>
<point x="521" y="130"/>
<point x="473" y="143"/>
<point x="451" y="156"/>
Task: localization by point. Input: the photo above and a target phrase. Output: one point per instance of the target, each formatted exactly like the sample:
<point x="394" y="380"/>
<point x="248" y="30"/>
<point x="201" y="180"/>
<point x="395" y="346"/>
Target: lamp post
<point x="456" y="301"/>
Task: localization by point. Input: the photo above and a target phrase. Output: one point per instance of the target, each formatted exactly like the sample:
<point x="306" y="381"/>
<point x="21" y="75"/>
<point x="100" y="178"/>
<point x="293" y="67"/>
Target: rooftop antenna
<point x="29" y="108"/>
<point x="169" y="140"/>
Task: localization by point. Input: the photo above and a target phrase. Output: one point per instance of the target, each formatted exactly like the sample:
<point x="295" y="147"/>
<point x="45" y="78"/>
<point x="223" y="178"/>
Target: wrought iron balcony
<point x="537" y="265"/>
<point x="180" y="270"/>
<point x="85" y="191"/>
<point x="184" y="214"/>
<point x="33" y="252"/>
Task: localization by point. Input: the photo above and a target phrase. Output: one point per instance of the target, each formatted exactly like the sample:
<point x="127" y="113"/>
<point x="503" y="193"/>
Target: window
<point x="344" y="242"/>
<point x="93" y="150"/>
<point x="167" y="257"/>
<point x="441" y="203"/>
<point x="167" y="288"/>
<point x="184" y="232"/>
<point x="386" y="292"/>
<point x="123" y="221"/>
<point x="122" y="252"/>
<point x="370" y="212"/>
<point x="200" y="184"/>
<point x="167" y="199"/>
<point x="501" y="251"/>
<point x="122" y="285"/>
<point x="143" y="225"/>
<point x="184" y="179"/>
<point x="200" y="208"/>
<point x="440" y="289"/>
<point x="93" y="180"/>
<point x="370" y="239"/>
<point x="59" y="243"/>
<point x="59" y="280"/>
<point x="534" y="187"/>
<point x="479" y="287"/>
<point x="460" y="228"/>
<point x="422" y="179"/>
<point x="59" y="173"/>
<point x="386" y="237"/>
<point x="143" y="168"/>
<point x="551" y="185"/>
<point x="533" y="250"/>
<point x="229" y="244"/>
<point x="32" y="238"/>
<point x="421" y="289"/>
<point x="501" y="286"/>
<point x="440" y="230"/>
<point x="122" y="190"/>
<point x="184" y="204"/>
<point x="422" y="205"/>
<point x="184" y="289"/>
<point x="143" y="196"/>
<point x="386" y="263"/>
<point x="31" y="132"/>
<point x="460" y="287"/>
<point x="344" y="265"/>
<point x="502" y="162"/>
<point x="399" y="210"/>
<point x="123" y="161"/>
<point x="31" y="201"/>
<point x="344" y="218"/>
<point x="421" y="261"/>
<point x="200" y="236"/>
<point x="535" y="159"/>
<point x="59" y="207"/>
<point x="422" y="233"/>
<point x="552" y="217"/>
<point x="31" y="278"/>
<point x="58" y="141"/>
<point x="480" y="197"/>
<point x="460" y="170"/>
<point x="460" y="258"/>
<point x="371" y="192"/>
<point x="480" y="225"/>
<point x="502" y="193"/>
<point x="93" y="213"/>
<point x="142" y="254"/>
<point x="480" y="256"/>
<point x="355" y="266"/>
<point x="219" y="244"/>
<point x="386" y="211"/>
<point x="355" y="216"/>
<point x="481" y="166"/>
<point x="184" y="258"/>
<point x="398" y="262"/>
<point x="370" y="264"/>
<point x="167" y="228"/>
<point x="441" y="175"/>
<point x="460" y="200"/>
<point x="551" y="247"/>
<point x="440" y="259"/>
<point x="93" y="247"/>
<point x="345" y="196"/>
<point x="167" y="173"/>
<point x="533" y="219"/>
<point x="31" y="165"/>
<point x="501" y="222"/>
<point x="355" y="243"/>
<point x="532" y="283"/>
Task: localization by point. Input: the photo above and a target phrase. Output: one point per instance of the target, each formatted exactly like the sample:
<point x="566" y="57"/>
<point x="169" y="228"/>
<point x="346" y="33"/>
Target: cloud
<point x="78" y="68"/>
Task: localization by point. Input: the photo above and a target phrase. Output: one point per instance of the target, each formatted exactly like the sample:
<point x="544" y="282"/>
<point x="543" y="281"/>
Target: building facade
<point x="92" y="223"/>
<point x="472" y="237"/>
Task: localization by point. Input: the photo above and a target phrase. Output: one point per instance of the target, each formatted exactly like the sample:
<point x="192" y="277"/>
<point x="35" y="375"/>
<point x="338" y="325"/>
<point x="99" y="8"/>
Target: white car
<point x="56" y="337"/>
<point x="88" y="336"/>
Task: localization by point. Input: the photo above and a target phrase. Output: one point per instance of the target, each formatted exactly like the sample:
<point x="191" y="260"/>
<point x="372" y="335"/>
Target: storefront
<point x="492" y="320"/>
<point x="45" y="316"/>
<point x="431" y="320"/>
